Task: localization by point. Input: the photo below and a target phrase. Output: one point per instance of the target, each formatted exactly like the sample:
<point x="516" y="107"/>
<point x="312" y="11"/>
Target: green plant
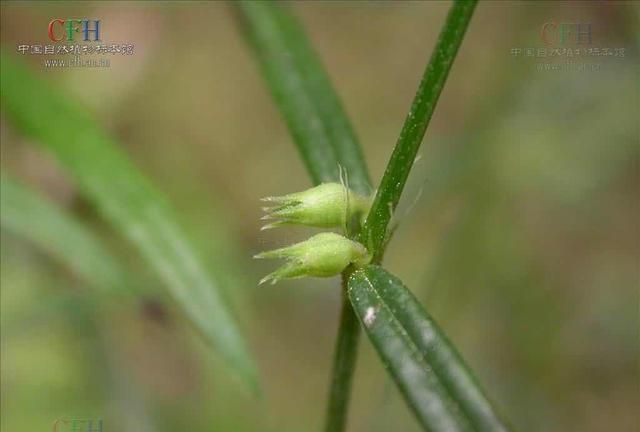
<point x="127" y="200"/>
<point x="26" y="213"/>
<point x="323" y="255"/>
<point x="329" y="205"/>
<point x="431" y="375"/>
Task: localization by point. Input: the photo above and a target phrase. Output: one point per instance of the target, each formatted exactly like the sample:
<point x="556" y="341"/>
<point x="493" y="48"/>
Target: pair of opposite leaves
<point x="328" y="205"/>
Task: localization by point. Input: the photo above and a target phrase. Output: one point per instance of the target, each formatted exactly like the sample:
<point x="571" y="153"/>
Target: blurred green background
<point x="518" y="229"/>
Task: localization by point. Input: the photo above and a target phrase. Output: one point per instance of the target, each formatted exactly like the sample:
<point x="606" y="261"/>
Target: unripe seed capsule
<point x="328" y="205"/>
<point x="323" y="255"/>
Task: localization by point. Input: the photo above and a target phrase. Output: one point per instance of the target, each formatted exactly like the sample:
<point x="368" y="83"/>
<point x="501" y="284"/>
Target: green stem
<point x="388" y="196"/>
<point x="415" y="126"/>
<point x="344" y="361"/>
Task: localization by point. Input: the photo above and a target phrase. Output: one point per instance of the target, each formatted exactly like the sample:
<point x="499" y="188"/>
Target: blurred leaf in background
<point x="128" y="201"/>
<point x="29" y="215"/>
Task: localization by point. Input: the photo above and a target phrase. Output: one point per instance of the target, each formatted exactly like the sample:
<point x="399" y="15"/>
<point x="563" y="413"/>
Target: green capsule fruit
<point x="328" y="205"/>
<point x="323" y="255"/>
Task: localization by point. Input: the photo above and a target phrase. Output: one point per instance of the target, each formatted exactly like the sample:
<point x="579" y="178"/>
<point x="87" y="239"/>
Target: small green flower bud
<point x="323" y="255"/>
<point x="328" y="205"/>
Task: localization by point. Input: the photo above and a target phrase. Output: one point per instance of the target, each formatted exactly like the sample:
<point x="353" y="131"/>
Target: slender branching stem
<point x="344" y="362"/>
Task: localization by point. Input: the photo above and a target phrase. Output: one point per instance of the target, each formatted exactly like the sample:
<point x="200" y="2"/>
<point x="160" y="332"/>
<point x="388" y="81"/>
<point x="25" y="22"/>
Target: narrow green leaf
<point x="431" y="375"/>
<point x="324" y="137"/>
<point x="27" y="214"/>
<point x="415" y="126"/>
<point x="127" y="200"/>
<point x="303" y="91"/>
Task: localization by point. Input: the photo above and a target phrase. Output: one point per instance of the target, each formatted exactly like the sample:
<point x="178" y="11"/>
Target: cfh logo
<point x="77" y="425"/>
<point x="553" y="33"/>
<point x="60" y="29"/>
